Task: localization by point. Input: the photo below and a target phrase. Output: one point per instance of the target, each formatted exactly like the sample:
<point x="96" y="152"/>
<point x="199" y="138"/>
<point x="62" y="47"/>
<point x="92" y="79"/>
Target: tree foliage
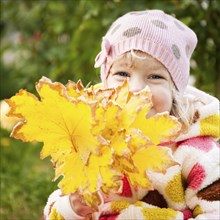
<point x="60" y="38"/>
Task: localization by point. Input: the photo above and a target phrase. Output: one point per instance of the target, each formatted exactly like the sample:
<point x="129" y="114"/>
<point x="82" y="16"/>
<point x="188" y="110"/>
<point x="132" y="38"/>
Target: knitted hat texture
<point x="158" y="34"/>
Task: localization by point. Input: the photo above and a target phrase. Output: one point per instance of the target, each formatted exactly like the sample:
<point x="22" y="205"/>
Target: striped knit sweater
<point x="188" y="190"/>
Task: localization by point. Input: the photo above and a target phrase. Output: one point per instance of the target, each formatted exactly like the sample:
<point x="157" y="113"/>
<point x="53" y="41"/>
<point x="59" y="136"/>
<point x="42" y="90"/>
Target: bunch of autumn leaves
<point x="94" y="136"/>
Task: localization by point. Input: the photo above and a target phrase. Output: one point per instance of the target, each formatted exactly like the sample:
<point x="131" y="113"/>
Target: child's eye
<point x="123" y="74"/>
<point x="155" y="76"/>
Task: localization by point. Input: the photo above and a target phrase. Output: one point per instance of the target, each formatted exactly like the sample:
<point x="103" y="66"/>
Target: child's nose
<point x="136" y="86"/>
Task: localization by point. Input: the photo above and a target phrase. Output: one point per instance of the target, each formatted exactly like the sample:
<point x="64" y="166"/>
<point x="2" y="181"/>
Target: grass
<point x="25" y="179"/>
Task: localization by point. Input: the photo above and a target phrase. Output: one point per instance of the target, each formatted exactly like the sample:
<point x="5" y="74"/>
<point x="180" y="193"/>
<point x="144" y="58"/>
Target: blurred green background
<point x="60" y="39"/>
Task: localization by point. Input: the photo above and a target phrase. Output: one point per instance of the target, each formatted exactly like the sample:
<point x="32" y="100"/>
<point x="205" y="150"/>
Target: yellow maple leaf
<point x="64" y="124"/>
<point x="139" y="179"/>
<point x="159" y="128"/>
<point x="119" y="143"/>
<point x="66" y="166"/>
<point x="147" y="158"/>
<point x="85" y="178"/>
<point x="134" y="137"/>
<point x="95" y="136"/>
<point x="107" y="120"/>
<point x="138" y="140"/>
<point x="74" y="89"/>
<point x="77" y="91"/>
<point x="55" y="120"/>
<point x="135" y="103"/>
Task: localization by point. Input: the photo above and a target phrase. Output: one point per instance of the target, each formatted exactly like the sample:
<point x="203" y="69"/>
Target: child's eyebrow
<point x="124" y="64"/>
<point x="156" y="66"/>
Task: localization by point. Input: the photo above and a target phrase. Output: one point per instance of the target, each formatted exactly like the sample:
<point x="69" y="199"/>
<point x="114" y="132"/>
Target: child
<point x="151" y="48"/>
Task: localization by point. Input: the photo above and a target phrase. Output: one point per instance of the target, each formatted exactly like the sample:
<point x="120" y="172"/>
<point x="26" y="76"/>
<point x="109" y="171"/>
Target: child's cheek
<point x="162" y="100"/>
<point x="112" y="83"/>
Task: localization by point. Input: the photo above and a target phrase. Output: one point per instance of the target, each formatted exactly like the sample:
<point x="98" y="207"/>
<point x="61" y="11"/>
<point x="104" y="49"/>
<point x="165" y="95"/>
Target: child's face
<point x="141" y="73"/>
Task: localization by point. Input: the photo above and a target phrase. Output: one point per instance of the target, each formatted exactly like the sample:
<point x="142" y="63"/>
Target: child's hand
<point x="79" y="205"/>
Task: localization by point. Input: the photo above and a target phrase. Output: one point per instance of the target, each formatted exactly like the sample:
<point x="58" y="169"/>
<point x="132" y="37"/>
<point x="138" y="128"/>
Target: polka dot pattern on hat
<point x="131" y="32"/>
<point x="176" y="51"/>
<point x="159" y="24"/>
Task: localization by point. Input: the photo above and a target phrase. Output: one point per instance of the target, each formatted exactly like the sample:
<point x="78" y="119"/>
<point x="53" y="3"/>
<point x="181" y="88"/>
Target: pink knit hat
<point x="156" y="33"/>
